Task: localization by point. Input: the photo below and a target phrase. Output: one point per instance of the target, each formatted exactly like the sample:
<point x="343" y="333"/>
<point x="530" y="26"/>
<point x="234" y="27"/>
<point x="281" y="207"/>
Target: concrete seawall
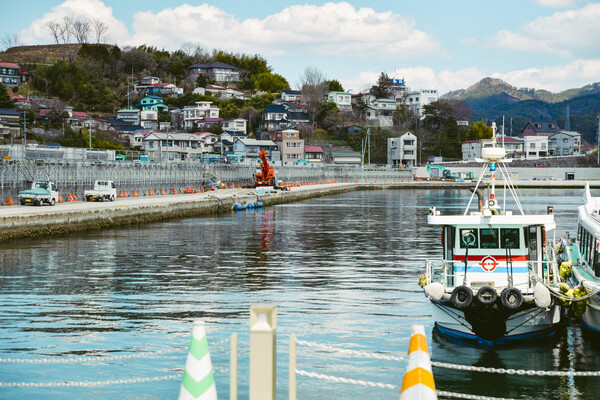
<point x="31" y="221"/>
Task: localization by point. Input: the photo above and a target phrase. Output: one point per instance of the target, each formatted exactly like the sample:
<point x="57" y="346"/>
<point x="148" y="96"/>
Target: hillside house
<point x="418" y="99"/>
<point x="343" y="100"/>
<point x="10" y="74"/>
<point x="291" y="95"/>
<point x="314" y="154"/>
<point x="380" y="112"/>
<point x="564" y="143"/>
<point x="152" y="102"/>
<point x="218" y="71"/>
<point x="161" y="146"/>
<point x="250" y="148"/>
<point x="234" y="125"/>
<point x="540" y="128"/>
<point x="203" y="112"/>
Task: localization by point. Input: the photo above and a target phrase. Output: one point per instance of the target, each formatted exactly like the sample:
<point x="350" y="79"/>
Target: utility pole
<point x="25" y="134"/>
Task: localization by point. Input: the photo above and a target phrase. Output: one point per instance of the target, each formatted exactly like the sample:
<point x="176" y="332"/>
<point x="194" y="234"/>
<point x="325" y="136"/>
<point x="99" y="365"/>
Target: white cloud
<point x="556" y="3"/>
<point x="566" y="33"/>
<point x="555" y="78"/>
<point x="333" y="29"/>
<point x="91" y="9"/>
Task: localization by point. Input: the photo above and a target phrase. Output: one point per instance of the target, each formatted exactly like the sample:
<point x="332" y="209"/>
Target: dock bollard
<point x="198" y="380"/>
<point x="418" y="382"/>
<point x="263" y="351"/>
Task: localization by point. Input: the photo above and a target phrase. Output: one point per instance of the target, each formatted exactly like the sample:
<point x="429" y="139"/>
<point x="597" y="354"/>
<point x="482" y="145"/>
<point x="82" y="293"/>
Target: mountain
<point x="491" y="99"/>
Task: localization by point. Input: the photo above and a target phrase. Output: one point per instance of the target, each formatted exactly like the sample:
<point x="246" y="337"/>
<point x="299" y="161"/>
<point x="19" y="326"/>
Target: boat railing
<point x="442" y="271"/>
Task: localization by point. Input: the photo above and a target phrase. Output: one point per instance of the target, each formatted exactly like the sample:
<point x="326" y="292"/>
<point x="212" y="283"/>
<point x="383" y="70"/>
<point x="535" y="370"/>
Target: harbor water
<point x="342" y="271"/>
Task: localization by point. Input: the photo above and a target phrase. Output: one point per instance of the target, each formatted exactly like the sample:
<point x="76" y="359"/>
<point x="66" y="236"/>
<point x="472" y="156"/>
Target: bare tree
<point x="55" y="30"/>
<point x="100" y="29"/>
<point x="10" y="41"/>
<point x="314" y="88"/>
<point x="67" y="29"/>
<point x="81" y="30"/>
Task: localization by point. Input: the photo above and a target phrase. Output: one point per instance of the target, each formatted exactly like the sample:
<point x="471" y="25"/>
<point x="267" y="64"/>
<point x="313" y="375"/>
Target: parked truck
<point x="103" y="191"/>
<point x="41" y="192"/>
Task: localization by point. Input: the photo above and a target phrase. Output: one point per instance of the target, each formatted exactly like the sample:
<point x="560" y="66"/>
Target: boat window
<point x="509" y="238"/>
<point x="488" y="238"/>
<point x="469" y="236"/>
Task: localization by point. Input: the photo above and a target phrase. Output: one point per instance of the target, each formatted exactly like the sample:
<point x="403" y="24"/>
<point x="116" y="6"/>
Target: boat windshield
<point x="490" y="238"/>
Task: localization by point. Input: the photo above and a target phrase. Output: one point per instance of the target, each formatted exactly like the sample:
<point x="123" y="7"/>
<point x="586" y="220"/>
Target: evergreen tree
<point x="5" y="99"/>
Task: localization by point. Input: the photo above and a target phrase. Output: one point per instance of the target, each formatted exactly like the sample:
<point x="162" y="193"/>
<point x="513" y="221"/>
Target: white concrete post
<point x="263" y="338"/>
<point x="292" y="386"/>
<point x="233" y="367"/>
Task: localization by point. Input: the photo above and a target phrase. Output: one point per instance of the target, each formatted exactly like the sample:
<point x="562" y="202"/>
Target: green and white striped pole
<point x="198" y="379"/>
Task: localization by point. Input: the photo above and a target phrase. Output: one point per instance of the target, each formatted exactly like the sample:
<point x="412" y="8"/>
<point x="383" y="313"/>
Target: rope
<point x="510" y="371"/>
<point x="75" y="360"/>
<point x="90" y="384"/>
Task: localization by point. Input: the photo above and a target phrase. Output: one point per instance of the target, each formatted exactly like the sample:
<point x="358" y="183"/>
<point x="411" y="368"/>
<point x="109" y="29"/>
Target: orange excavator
<point x="265" y="174"/>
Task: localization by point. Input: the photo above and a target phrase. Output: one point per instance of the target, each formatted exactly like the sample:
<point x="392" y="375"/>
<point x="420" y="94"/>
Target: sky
<point x="432" y="44"/>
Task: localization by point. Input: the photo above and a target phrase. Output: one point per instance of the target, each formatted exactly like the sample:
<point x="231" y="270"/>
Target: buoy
<point x="418" y="382"/>
<point x="259" y="204"/>
<point x="239" y="207"/>
<point x="250" y="205"/>
<point x="198" y="380"/>
<point x="434" y="291"/>
<point x="541" y="295"/>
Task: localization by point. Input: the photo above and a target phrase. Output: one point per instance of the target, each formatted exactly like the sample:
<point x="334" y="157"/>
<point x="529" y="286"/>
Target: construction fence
<point x="76" y="176"/>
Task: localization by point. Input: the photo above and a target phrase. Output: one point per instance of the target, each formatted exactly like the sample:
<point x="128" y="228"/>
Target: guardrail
<point x="198" y="375"/>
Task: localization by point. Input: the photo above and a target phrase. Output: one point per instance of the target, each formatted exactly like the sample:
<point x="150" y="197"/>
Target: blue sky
<point x="433" y="44"/>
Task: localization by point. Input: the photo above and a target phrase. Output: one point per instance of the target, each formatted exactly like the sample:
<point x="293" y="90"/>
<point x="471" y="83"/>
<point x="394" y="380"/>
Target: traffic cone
<point x="162" y="192"/>
<point x="60" y="199"/>
<point x="417" y="382"/>
<point x="174" y="191"/>
<point x="150" y="192"/>
<point x="198" y="380"/>
<point x="135" y="193"/>
<point x="9" y="201"/>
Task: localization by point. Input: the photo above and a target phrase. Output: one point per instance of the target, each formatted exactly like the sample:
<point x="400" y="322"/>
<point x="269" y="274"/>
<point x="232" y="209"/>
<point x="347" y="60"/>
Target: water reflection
<point x="342" y="270"/>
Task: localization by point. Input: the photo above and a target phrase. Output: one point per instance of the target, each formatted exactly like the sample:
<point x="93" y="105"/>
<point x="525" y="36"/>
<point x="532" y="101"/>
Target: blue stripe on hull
<point x="512" y="338"/>
<point x="589" y="327"/>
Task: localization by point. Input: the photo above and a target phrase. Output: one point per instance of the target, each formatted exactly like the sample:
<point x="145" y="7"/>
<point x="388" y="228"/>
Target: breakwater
<point x="75" y="176"/>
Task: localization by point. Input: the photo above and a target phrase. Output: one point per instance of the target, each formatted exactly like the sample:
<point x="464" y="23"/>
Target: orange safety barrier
<point x="162" y="192"/>
<point x="135" y="193"/>
<point x="60" y="199"/>
<point x="150" y="192"/>
<point x="189" y="190"/>
<point x="9" y="201"/>
<point x="174" y="191"/>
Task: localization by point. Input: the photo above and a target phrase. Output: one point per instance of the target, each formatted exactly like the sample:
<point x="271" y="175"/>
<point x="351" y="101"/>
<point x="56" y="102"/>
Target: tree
<point x="252" y="115"/>
<point x="5" y="100"/>
<point x="335" y="86"/>
<point x="383" y="89"/>
<point x="66" y="29"/>
<point x="480" y="130"/>
<point x="100" y="29"/>
<point x="55" y="30"/>
<point x="268" y="82"/>
<point x="9" y="41"/>
<point x="81" y="30"/>
<point x="201" y="80"/>
<point x="314" y="87"/>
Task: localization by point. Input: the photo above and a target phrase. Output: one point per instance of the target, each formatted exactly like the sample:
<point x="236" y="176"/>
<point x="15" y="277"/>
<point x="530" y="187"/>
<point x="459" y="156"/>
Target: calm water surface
<point x="342" y="270"/>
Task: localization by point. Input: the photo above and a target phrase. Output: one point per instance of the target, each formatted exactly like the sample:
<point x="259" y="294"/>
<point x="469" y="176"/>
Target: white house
<point x="250" y="148"/>
<point x="234" y="125"/>
<point x="535" y="147"/>
<point x="380" y="112"/>
<point x="341" y="99"/>
<point x="402" y="150"/>
<point x="173" y="146"/>
<point x="131" y="115"/>
<point x="149" y="119"/>
<point x="291" y="95"/>
<point x="417" y="99"/>
<point x="196" y="114"/>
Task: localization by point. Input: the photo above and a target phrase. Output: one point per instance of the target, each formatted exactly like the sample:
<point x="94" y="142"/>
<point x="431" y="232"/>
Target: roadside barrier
<point x="9" y="201"/>
<point x="72" y="197"/>
<point x="135" y="193"/>
<point x="418" y="382"/>
<point x="123" y="193"/>
<point x="198" y="378"/>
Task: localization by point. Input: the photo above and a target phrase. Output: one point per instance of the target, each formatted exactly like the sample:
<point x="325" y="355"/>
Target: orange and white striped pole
<point x="418" y="383"/>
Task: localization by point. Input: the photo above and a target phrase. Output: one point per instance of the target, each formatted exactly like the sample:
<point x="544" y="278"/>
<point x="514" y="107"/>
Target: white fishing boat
<point x="494" y="281"/>
<point x="581" y="262"/>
